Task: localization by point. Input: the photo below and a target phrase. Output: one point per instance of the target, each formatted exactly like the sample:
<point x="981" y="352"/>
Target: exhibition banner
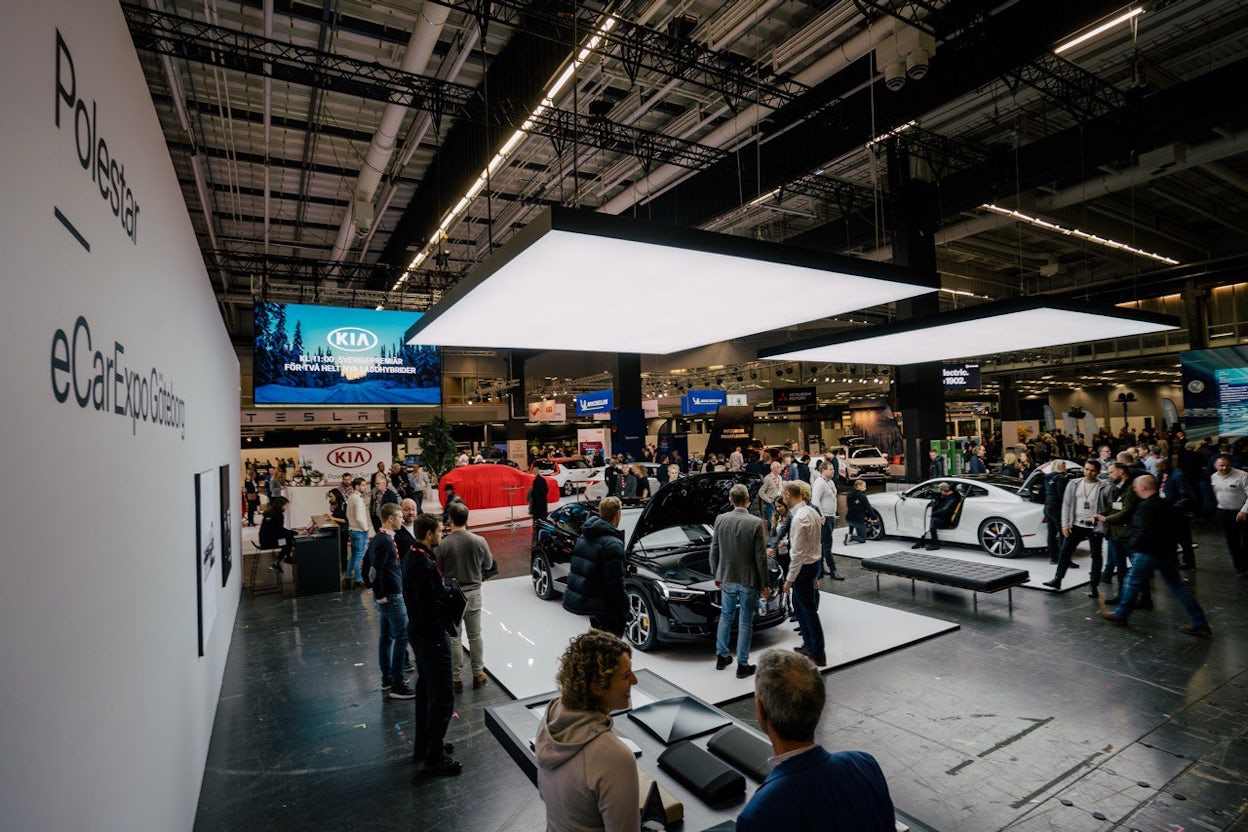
<point x="738" y="400"/>
<point x="702" y="401"/>
<point x="335" y="355"/>
<point x="313" y="417"/>
<point x="960" y="376"/>
<point x="791" y="396"/>
<point x="599" y="401"/>
<point x="357" y="459"/>
<point x="548" y="410"/>
<point x="650" y="408"/>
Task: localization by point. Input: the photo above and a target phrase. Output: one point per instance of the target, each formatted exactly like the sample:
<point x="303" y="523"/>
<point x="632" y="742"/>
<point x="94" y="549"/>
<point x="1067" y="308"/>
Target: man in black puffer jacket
<point x="596" y="581"/>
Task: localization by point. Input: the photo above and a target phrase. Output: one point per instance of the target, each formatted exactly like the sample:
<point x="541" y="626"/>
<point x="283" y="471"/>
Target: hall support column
<point x="517" y="411"/>
<point x="1007" y="400"/>
<point x="920" y="387"/>
<point x="628" y="424"/>
<point x="1194" y="316"/>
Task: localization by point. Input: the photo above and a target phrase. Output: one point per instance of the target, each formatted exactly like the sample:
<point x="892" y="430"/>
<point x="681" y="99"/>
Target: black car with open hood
<point x="671" y="591"/>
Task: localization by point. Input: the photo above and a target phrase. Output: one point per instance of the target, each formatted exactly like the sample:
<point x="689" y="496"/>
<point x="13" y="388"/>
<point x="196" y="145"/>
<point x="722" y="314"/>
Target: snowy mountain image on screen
<point x="337" y="356"/>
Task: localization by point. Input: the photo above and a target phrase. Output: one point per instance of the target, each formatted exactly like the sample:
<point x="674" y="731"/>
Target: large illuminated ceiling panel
<point x="976" y="331"/>
<point x="576" y="280"/>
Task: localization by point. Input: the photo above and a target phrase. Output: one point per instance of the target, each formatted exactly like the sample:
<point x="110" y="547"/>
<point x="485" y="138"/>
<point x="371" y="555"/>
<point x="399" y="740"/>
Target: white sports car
<point x="1002" y="515"/>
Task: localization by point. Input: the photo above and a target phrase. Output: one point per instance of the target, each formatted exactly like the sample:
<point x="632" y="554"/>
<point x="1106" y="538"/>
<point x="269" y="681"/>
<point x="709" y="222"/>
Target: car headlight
<point x="673" y="592"/>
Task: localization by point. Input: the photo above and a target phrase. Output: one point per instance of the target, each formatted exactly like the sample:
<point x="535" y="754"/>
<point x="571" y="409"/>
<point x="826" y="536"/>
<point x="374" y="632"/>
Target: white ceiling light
<point x="1075" y="232"/>
<point x="1104" y="27"/>
<point x="629" y="268"/>
<point x="984" y="330"/>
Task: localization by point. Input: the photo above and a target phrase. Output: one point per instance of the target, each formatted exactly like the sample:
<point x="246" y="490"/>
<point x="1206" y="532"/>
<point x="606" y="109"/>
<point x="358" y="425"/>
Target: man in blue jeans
<point x="1152" y="545"/>
<point x="358" y="524"/>
<point x="739" y="563"/>
<point x="386" y="578"/>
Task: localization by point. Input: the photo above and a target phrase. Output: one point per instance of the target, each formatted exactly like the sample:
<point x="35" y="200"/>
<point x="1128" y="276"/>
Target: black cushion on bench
<point x="981" y="577"/>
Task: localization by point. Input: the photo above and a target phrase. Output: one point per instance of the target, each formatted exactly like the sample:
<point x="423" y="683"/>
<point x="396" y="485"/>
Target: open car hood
<point x="691" y="501"/>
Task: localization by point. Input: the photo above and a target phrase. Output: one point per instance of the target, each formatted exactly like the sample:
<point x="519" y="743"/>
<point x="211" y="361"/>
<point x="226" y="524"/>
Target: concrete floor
<point x="1043" y="719"/>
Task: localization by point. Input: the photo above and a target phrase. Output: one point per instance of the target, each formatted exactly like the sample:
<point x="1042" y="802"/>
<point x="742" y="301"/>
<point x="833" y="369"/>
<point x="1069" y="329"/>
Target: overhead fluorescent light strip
<point x="1104" y="27"/>
<point x="976" y="331"/>
<point x="548" y="101"/>
<point x="629" y="266"/>
<point x="1075" y="232"/>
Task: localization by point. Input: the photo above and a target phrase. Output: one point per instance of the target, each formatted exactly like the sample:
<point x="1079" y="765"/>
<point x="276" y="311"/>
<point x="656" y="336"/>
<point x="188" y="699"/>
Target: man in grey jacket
<point x="464" y="556"/>
<point x="739" y="563"/>
<point x="1084" y="499"/>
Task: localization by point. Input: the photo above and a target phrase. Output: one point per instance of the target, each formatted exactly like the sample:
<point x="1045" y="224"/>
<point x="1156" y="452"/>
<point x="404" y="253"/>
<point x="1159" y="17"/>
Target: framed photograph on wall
<point x="227" y="498"/>
<point x="207" y="551"/>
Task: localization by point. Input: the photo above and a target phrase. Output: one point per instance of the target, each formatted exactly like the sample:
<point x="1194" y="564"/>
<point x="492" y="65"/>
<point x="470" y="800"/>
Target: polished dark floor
<point x="1044" y="719"/>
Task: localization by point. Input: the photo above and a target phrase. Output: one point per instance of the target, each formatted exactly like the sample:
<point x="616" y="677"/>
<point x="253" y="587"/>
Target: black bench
<point x="936" y="569"/>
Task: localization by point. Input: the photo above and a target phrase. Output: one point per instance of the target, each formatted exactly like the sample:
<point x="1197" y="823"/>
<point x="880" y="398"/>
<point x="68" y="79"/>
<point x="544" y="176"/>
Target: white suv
<point x="861" y="462"/>
<point x="572" y="473"/>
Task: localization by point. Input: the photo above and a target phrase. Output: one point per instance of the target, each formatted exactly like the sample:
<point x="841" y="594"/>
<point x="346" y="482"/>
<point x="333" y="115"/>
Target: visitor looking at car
<point x="944" y="509"/>
<point x="824" y="498"/>
<point x="769" y="492"/>
<point x="586" y="776"/>
<point x="641" y="488"/>
<point x="1054" y="493"/>
<point x="596" y="576"/>
<point x="465" y="557"/>
<point x="857" y="513"/>
<point x="739" y="563"/>
<point x="809" y="789"/>
<point x="803" y="576"/>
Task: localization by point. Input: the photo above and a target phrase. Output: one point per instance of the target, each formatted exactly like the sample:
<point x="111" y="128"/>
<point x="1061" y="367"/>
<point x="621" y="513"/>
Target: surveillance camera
<point x="895" y="75"/>
<point x="916" y="64"/>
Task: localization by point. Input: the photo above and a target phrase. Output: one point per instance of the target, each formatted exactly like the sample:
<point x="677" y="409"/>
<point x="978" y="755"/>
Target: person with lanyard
<point x="1230" y="494"/>
<point x="1117" y="521"/>
<point x="1082" y="500"/>
<point x="427" y="629"/>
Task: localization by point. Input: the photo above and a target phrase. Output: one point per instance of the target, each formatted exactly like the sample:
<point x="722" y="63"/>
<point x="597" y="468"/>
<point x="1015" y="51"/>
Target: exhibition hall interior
<point x="405" y="381"/>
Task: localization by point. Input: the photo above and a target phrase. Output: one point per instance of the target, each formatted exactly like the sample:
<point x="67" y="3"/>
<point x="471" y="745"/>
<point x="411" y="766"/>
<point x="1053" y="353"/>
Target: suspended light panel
<point x="977" y="331"/>
<point x="579" y="280"/>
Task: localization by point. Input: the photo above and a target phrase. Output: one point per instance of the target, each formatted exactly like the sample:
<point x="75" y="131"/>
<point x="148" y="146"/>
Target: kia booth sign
<point x="329" y="355"/>
<point x="356" y="459"/>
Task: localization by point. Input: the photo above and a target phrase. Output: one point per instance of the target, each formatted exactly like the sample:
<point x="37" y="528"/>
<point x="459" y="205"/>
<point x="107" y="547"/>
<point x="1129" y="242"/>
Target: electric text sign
<point x="337" y="356"/>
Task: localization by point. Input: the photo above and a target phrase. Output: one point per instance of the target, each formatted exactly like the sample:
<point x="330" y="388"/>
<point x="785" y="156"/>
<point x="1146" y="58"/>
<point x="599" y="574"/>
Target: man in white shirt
<point x="802" y="582"/>
<point x="769" y="492"/>
<point x="736" y="460"/>
<point x="1230" y="489"/>
<point x="824" y="499"/>
<point x="358" y="524"/>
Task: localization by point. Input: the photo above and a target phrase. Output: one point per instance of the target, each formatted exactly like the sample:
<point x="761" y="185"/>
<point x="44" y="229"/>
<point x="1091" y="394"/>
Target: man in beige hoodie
<point x="586" y="776"/>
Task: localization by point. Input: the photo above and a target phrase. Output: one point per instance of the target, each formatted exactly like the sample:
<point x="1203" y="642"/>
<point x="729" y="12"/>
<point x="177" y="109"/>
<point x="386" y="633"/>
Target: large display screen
<point x="1215" y="392"/>
<point x="332" y="355"/>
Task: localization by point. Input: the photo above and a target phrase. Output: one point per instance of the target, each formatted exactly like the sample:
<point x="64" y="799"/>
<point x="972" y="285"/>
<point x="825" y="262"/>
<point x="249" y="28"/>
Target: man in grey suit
<point x="739" y="562"/>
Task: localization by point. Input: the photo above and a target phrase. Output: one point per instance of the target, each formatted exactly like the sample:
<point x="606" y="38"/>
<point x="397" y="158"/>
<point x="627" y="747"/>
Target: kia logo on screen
<point x="351" y="339"/>
<point x="349" y="456"/>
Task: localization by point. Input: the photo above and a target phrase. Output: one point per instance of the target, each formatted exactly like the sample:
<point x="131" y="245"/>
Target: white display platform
<point x="1037" y="565"/>
<point x="524" y="637"/>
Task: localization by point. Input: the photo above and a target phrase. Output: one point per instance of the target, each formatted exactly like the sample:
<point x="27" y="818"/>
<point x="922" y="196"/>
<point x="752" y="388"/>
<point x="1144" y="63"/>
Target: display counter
<point x="316" y="563"/>
<point x="515" y="724"/>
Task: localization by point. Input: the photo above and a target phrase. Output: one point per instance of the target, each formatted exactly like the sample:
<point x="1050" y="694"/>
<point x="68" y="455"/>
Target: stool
<point x="260" y="552"/>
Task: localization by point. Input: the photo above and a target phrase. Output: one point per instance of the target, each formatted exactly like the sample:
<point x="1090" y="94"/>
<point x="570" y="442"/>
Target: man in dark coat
<point x="1054" y="493"/>
<point x="427" y="628"/>
<point x="938" y="465"/>
<point x="596" y="580"/>
<point x="944" y="508"/>
<point x="1152" y="546"/>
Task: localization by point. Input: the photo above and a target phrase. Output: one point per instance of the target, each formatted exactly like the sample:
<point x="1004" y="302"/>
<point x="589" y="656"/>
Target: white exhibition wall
<point x="120" y="384"/>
